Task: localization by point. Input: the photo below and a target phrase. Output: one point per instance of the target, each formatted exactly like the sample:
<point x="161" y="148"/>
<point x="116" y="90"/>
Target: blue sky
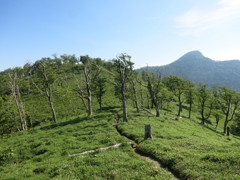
<point x="154" y="32"/>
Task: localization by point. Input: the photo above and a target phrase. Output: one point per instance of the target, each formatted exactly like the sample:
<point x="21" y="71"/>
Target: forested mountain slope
<point x="196" y="67"/>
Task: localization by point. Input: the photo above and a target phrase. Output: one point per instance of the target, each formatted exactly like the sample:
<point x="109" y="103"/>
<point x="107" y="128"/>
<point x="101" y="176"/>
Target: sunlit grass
<point x="185" y="146"/>
<point x="43" y="152"/>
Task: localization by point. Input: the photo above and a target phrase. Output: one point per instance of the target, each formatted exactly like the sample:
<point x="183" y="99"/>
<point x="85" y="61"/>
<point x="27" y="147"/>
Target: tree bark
<point x="228" y="131"/>
<point x="154" y="98"/>
<point x="225" y="127"/>
<point x="18" y="100"/>
<point x="190" y="110"/>
<point x="89" y="100"/>
<point x="124" y="104"/>
<point x="50" y="100"/>
<point x="135" y="96"/>
<point x="89" y="93"/>
<point x="179" y="108"/>
<point x="48" y="91"/>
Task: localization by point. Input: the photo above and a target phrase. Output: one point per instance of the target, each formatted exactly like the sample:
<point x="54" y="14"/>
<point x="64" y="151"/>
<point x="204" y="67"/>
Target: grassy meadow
<point x="43" y="152"/>
<point x="185" y="146"/>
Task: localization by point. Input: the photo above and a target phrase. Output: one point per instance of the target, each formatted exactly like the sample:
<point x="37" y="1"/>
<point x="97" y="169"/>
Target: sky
<point x="153" y="32"/>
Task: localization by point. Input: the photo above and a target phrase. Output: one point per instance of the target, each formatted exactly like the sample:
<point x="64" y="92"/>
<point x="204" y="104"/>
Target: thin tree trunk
<point x="89" y="100"/>
<point x="50" y="100"/>
<point x="135" y="96"/>
<point x="225" y="127"/>
<point x="203" y="118"/>
<point x="89" y="93"/>
<point x="179" y="108"/>
<point x="18" y="101"/>
<point x="154" y="101"/>
<point x="157" y="110"/>
<point x="124" y="104"/>
<point x="22" y="110"/>
<point x="148" y="102"/>
<point x="190" y="110"/>
<point x="142" y="103"/>
<point x="100" y="103"/>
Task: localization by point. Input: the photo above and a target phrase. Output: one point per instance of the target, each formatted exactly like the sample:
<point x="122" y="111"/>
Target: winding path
<point x="134" y="147"/>
<point x="140" y="154"/>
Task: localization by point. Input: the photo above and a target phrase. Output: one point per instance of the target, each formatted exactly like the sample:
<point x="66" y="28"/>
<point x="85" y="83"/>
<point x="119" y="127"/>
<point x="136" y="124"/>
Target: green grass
<point x="43" y="152"/>
<point x="191" y="150"/>
<point x="183" y="145"/>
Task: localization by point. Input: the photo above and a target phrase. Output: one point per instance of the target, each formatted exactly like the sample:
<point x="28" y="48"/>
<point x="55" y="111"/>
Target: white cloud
<point x="198" y="20"/>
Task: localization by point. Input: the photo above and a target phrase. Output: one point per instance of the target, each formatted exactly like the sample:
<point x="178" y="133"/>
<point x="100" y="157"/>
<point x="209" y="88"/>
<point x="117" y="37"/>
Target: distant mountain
<point x="196" y="67"/>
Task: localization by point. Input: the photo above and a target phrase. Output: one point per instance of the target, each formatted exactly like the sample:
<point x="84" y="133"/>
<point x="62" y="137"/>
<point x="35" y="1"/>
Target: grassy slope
<point x="186" y="147"/>
<point x="42" y="153"/>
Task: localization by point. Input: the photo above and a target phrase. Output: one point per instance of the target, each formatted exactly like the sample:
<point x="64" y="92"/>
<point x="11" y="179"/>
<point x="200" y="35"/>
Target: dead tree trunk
<point x="48" y="92"/>
<point x="124" y="68"/>
<point x="135" y="96"/>
<point x="16" y="95"/>
<point x="124" y="103"/>
<point x="88" y="89"/>
<point x="153" y="95"/>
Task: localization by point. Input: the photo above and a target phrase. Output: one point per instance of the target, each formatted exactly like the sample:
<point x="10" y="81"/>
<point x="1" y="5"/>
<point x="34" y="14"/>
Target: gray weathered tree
<point x="124" y="69"/>
<point x="134" y="92"/>
<point x="153" y="84"/>
<point x="16" y="96"/>
<point x="89" y="71"/>
<point x="45" y="76"/>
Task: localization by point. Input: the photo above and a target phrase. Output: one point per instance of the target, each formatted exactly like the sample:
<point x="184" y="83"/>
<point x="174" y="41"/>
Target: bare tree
<point x="153" y="85"/>
<point x="135" y="97"/>
<point x="89" y="73"/>
<point x="46" y="78"/>
<point x="16" y="95"/>
<point x="124" y="69"/>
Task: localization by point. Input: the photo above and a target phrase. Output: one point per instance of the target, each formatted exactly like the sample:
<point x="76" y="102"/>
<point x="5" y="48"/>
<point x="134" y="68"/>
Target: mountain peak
<point x="194" y="54"/>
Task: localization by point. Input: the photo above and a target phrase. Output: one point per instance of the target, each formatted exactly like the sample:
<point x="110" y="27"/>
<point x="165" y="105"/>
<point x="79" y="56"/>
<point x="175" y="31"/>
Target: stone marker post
<point x="148" y="132"/>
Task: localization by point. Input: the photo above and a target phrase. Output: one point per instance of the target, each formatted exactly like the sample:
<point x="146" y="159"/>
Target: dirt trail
<point x="140" y="154"/>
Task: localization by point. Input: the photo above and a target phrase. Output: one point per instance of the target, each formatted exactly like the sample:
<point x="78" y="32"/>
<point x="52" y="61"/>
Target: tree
<point x="124" y="69"/>
<point x="205" y="101"/>
<point x="165" y="98"/>
<point x="90" y="71"/>
<point x="153" y="85"/>
<point x="229" y="102"/>
<point x="99" y="89"/>
<point x="45" y="76"/>
<point x="134" y="95"/>
<point x="16" y="95"/>
<point x="235" y="127"/>
<point x="178" y="87"/>
<point x="190" y="97"/>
